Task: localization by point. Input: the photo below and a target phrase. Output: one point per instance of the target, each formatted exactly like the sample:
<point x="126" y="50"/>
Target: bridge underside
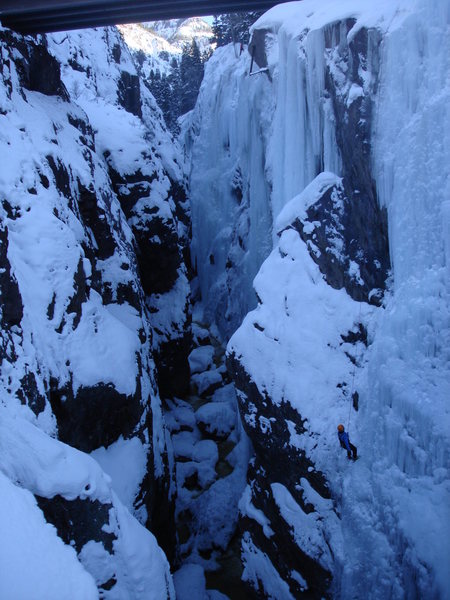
<point x="41" y="16"/>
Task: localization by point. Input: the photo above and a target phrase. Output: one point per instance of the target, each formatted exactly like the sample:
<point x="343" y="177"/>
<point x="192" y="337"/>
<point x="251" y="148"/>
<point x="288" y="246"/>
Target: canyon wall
<point x="95" y="319"/>
<point x="330" y="160"/>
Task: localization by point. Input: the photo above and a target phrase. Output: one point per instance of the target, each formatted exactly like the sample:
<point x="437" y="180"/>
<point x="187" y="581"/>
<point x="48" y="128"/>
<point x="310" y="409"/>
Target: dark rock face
<point x="276" y="460"/>
<point x="173" y="373"/>
<point x="129" y="92"/>
<point x="78" y="521"/>
<point x="96" y="416"/>
<point x="257" y="47"/>
<point x="158" y="256"/>
<point x="41" y="72"/>
<point x="11" y="314"/>
<point x="61" y="176"/>
<point x="362" y="222"/>
<point x="11" y="301"/>
<point x="353" y="120"/>
<point x="86" y="133"/>
<point x="156" y="496"/>
<point x="80" y="295"/>
<point x="346" y="235"/>
<point x="272" y="443"/>
<point x="28" y="393"/>
<point x="178" y="193"/>
<point x="116" y="53"/>
<point x="94" y="217"/>
<point x="281" y="548"/>
<point x="158" y="244"/>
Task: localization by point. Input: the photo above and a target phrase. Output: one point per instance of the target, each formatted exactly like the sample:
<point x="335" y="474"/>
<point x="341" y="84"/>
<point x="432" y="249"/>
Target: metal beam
<point x="42" y="16"/>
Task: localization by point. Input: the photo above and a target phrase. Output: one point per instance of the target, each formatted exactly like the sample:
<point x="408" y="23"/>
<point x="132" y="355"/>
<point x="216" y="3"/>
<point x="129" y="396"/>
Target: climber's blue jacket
<point x="343" y="438"/>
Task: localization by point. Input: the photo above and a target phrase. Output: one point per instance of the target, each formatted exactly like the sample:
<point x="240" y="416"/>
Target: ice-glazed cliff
<point x="231" y="214"/>
<point x="331" y="161"/>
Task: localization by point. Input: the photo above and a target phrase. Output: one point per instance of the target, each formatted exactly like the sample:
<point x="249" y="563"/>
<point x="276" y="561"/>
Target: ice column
<point x="230" y="195"/>
<point x="405" y="411"/>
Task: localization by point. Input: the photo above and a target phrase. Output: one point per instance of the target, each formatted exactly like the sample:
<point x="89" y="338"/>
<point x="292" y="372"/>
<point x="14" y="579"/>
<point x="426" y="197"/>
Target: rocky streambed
<point x="211" y="454"/>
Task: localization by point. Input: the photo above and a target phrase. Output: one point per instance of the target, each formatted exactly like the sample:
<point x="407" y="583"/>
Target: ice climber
<point x="352" y="451"/>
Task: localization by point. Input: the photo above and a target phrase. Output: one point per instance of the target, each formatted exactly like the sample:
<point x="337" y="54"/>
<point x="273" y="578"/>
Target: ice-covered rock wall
<point x="351" y="114"/>
<point x="231" y="213"/>
<point x="94" y="297"/>
<point x="259" y="134"/>
<point x="405" y="421"/>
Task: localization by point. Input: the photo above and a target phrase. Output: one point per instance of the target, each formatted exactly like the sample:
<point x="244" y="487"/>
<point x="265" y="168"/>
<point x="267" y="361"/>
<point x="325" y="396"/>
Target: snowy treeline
<point x="169" y="57"/>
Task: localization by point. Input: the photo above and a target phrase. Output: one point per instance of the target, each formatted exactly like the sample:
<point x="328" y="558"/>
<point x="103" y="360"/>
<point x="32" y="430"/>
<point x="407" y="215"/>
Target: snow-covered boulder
<point x="201" y="359"/>
<point x="216" y="419"/>
<point x="207" y="382"/>
<point x="190" y="582"/>
<point x="200" y="335"/>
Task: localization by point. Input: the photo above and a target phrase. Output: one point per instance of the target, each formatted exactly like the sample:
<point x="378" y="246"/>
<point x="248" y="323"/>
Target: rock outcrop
<point x="290" y="514"/>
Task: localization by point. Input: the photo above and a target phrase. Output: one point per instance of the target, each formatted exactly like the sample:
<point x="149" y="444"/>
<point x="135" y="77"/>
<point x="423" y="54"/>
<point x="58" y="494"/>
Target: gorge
<point x="186" y="321"/>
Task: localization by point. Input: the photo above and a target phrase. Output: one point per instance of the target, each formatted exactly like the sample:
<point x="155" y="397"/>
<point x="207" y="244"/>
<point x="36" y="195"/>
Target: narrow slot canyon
<point x="222" y="242"/>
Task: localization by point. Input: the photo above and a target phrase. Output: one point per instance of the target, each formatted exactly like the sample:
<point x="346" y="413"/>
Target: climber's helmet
<point x="340" y="427"/>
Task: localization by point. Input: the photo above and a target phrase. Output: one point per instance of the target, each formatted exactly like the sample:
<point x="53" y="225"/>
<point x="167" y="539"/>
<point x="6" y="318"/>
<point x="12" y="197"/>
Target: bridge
<point x="42" y="16"/>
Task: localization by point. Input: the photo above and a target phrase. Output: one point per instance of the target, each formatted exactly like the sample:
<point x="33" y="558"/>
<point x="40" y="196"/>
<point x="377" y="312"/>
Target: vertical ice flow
<point x="231" y="213"/>
<point x="269" y="138"/>
<point x="406" y="422"/>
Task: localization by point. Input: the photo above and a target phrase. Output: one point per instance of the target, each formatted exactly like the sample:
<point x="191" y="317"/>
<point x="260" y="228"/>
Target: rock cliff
<point x="95" y="297"/>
